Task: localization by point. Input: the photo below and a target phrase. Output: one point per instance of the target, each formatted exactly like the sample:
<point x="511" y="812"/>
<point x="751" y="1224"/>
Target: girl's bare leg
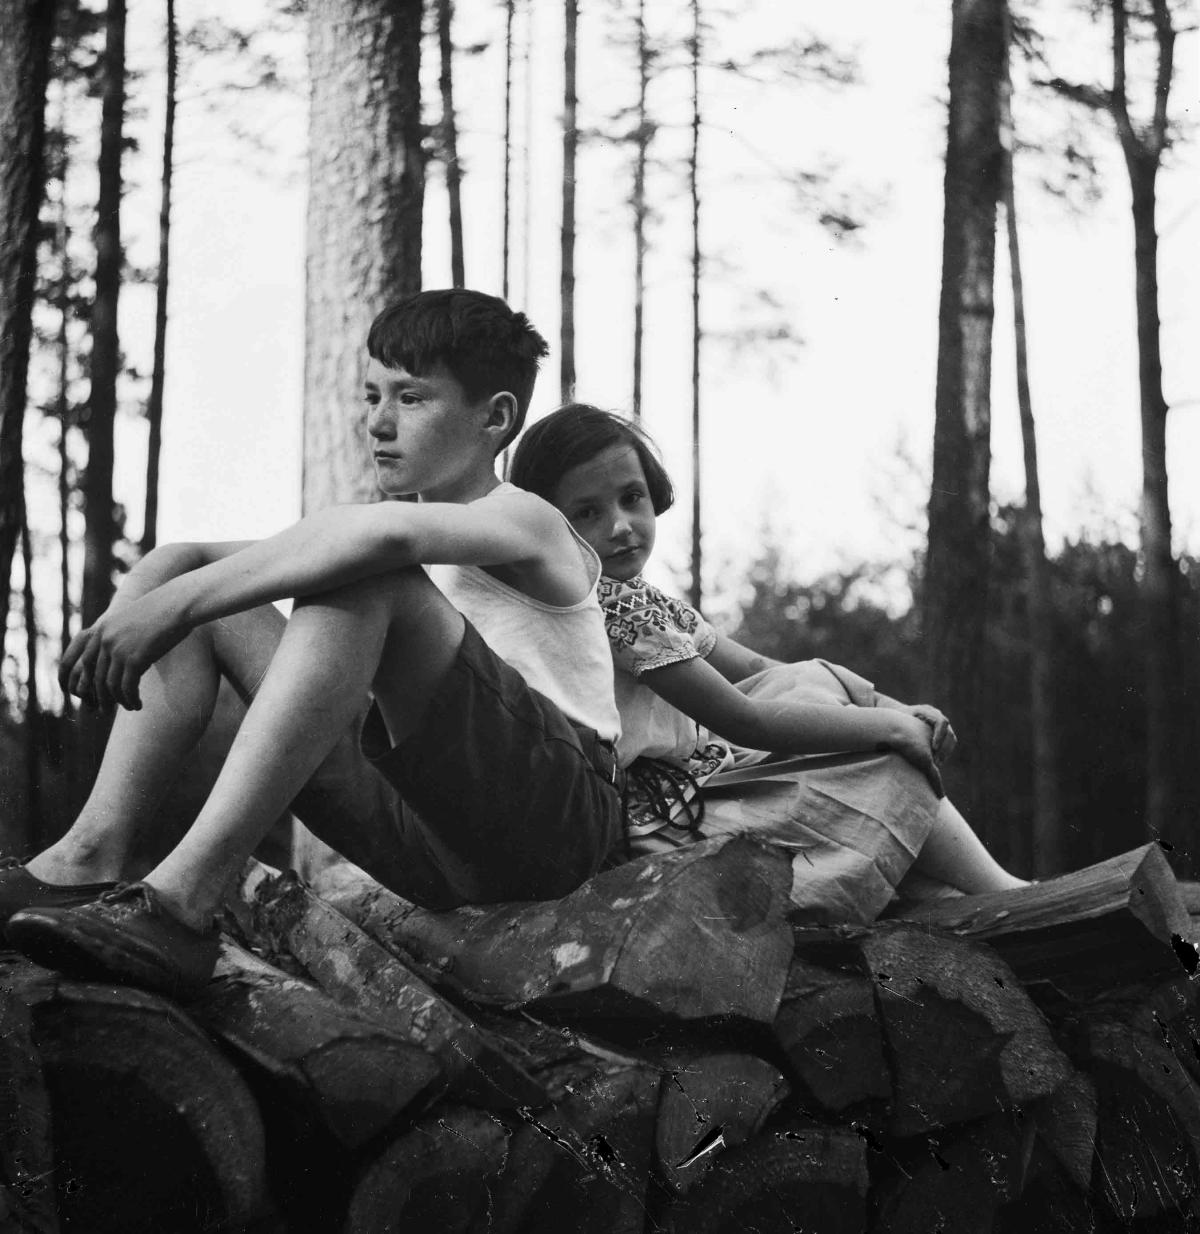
<point x="145" y="749"/>
<point x="954" y="854"/>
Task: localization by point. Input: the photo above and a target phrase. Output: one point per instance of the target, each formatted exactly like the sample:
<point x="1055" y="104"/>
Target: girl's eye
<point x="584" y="514"/>
<point x="410" y="400"/>
<point x="371" y="398"/>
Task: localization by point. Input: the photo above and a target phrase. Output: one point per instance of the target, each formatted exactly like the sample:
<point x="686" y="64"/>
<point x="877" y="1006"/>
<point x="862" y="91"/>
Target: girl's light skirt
<point x="853" y="823"/>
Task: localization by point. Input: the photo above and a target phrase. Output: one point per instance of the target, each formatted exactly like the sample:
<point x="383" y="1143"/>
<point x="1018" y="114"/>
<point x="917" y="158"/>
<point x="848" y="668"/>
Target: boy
<point x="486" y="770"/>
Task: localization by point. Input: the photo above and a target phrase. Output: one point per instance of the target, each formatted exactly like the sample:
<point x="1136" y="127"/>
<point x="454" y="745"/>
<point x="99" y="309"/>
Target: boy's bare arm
<point x="168" y="561"/>
<point x="346" y="543"/>
<point x="328" y="549"/>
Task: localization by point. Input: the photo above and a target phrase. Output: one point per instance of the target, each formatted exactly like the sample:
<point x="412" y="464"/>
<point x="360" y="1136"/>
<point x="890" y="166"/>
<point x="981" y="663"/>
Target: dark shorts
<point x="498" y="796"/>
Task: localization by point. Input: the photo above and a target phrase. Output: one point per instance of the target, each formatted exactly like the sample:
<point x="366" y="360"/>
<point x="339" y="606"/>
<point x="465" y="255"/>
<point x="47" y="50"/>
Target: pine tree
<point x="154" y="404"/>
<point x="448" y="132"/>
<point x="366" y="197"/>
<point x="957" y="566"/>
<point x="1047" y="839"/>
<point x="101" y="529"/>
<point x="696" y="588"/>
<point x="570" y="145"/>
<point x="26" y="29"/>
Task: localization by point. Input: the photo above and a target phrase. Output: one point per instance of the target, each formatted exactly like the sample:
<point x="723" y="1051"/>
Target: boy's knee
<point x="396" y="596"/>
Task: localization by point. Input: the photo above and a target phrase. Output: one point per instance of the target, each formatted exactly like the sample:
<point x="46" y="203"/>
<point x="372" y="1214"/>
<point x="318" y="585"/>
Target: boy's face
<point x="427" y="436"/>
<point x="608" y="503"/>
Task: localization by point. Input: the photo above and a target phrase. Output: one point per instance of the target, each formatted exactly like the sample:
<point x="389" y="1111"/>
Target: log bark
<point x="1108" y="925"/>
<point x="964" y="1039"/>
<point x="578" y="1166"/>
<point x="809" y="1174"/>
<point x="1147" y="1165"/>
<point x="828" y="1026"/>
<point x="26" y="1155"/>
<point x="356" y="1077"/>
<point x="587" y="1156"/>
<point x="353" y="968"/>
<point x="700" y="932"/>
<point x="439" y="1176"/>
<point x="961" y="1180"/>
<point x="153" y="1128"/>
<point x="1066" y="1124"/>
<point x="711" y="1103"/>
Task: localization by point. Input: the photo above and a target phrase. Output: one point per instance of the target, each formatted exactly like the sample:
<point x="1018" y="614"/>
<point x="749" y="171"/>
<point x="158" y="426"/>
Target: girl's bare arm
<point x="697" y="689"/>
<point x="736" y="662"/>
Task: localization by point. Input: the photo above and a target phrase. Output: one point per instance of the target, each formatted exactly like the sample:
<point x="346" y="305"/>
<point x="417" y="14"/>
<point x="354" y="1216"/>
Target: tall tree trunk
<point x="527" y="165"/>
<point x="696" y="589"/>
<point x="1159" y="579"/>
<point x="1047" y="847"/>
<point x="510" y="8"/>
<point x="62" y="239"/>
<point x="567" y="247"/>
<point x="35" y="817"/>
<point x="365" y="202"/>
<point x="1142" y="147"/>
<point x="366" y="194"/>
<point x="26" y="29"/>
<point x="449" y="142"/>
<point x="641" y="150"/>
<point x="154" y="405"/>
<point x="957" y="565"/>
<point x="101" y="528"/>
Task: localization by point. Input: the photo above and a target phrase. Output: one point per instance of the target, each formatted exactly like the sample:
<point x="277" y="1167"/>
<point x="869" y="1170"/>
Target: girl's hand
<point x="104" y="663"/>
<point x="913" y="740"/>
<point x="944" y="740"/>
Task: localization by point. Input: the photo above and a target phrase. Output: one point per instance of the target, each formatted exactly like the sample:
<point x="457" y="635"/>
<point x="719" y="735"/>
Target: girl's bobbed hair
<point x="574" y="435"/>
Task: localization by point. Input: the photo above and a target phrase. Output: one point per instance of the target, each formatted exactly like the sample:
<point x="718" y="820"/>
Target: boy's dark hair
<point x="575" y="434"/>
<point x="487" y="346"/>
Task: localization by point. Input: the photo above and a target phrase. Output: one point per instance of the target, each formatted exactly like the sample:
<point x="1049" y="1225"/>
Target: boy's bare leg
<point x="954" y="854"/>
<point x="395" y="634"/>
<point x="146" y="747"/>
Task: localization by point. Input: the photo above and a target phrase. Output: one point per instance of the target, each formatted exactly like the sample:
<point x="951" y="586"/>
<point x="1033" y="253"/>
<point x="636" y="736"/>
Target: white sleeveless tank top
<point x="561" y="652"/>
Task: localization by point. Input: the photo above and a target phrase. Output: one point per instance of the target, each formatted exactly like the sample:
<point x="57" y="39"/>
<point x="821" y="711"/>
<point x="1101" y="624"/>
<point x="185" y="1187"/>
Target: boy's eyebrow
<point x="411" y="380"/>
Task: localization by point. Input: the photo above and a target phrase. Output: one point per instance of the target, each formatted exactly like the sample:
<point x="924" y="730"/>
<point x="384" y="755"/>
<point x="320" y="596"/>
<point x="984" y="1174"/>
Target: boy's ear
<point x="502" y="413"/>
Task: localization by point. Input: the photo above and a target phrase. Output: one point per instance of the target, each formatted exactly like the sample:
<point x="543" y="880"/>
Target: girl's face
<point x="608" y="503"/>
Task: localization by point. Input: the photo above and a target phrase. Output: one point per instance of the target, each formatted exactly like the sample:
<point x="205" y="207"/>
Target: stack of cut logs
<point x="662" y="1050"/>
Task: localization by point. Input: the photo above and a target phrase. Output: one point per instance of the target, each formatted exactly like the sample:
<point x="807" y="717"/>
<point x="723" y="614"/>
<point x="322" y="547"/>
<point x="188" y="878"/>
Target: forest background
<point x="805" y="326"/>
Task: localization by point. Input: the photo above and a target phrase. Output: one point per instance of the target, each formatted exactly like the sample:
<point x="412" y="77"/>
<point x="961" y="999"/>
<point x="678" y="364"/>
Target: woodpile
<point x="661" y="1050"/>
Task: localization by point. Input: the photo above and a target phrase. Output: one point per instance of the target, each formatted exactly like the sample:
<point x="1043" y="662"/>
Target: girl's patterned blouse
<point x="650" y="629"/>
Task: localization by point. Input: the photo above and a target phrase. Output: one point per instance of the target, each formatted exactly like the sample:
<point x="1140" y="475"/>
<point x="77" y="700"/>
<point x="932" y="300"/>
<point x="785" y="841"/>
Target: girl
<point x="857" y="819"/>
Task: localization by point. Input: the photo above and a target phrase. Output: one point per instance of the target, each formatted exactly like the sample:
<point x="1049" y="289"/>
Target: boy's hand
<point x="105" y="662"/>
<point x="913" y="741"/>
<point x="944" y="741"/>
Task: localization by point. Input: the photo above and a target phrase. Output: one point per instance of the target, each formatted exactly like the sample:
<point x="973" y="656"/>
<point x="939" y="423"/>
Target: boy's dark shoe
<point x="126" y="936"/>
<point x="19" y="890"/>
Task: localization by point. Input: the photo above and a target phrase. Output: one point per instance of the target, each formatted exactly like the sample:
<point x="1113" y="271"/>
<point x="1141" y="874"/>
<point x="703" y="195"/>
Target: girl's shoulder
<point x="622" y="596"/>
<point x="649" y="628"/>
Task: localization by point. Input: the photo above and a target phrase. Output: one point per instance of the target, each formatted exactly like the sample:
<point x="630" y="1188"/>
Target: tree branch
<point x="1095" y="97"/>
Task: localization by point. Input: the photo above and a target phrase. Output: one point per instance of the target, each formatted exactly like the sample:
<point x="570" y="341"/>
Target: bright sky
<point x="810" y="438"/>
